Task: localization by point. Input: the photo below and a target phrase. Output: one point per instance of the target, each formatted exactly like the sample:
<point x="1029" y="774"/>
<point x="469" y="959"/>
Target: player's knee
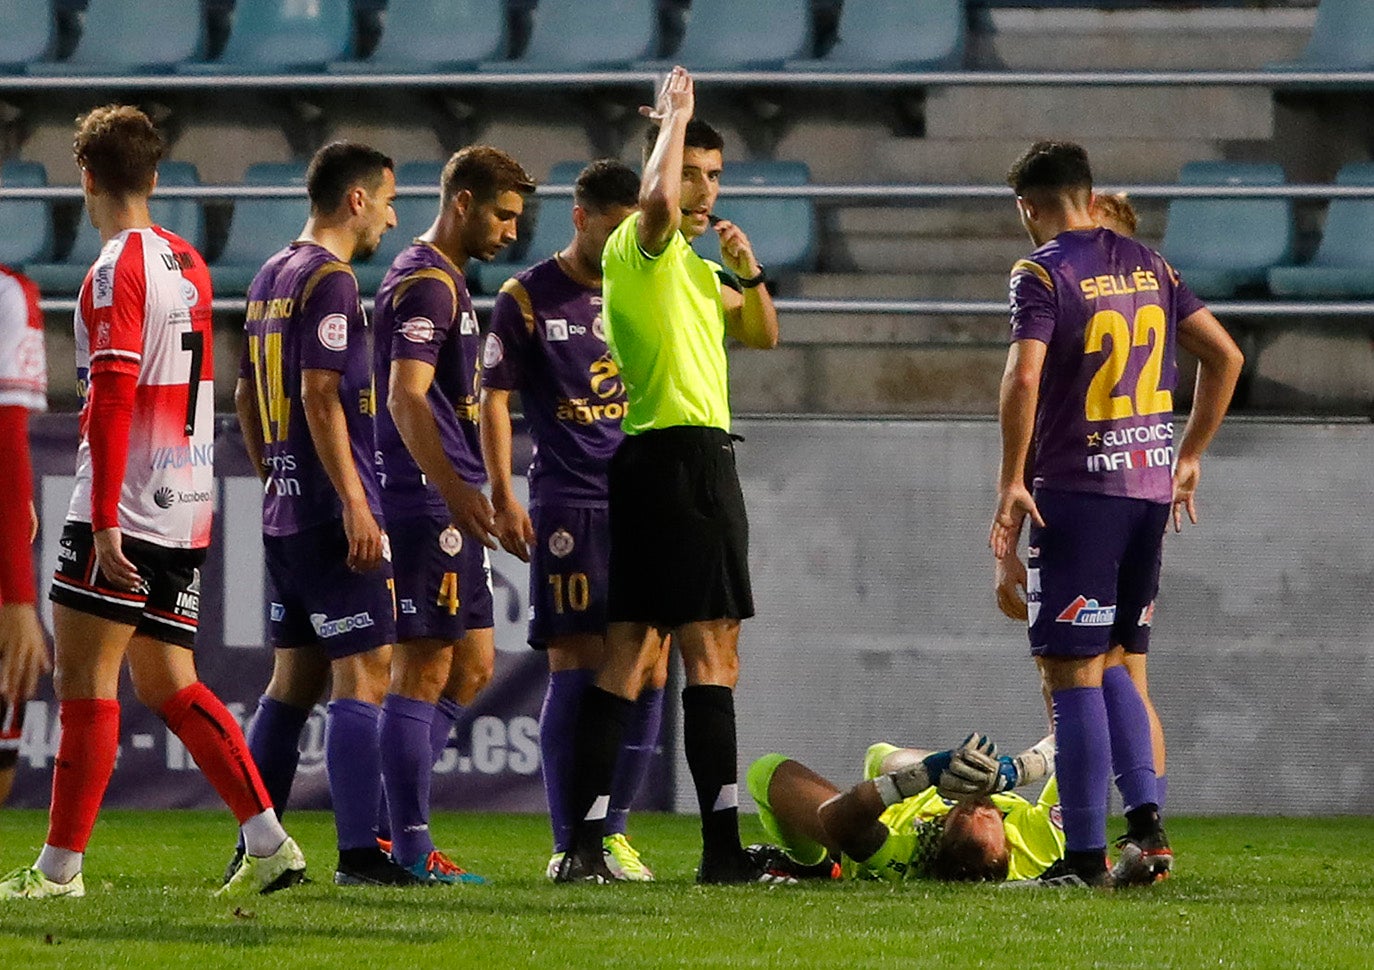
<point x="469" y="676"/>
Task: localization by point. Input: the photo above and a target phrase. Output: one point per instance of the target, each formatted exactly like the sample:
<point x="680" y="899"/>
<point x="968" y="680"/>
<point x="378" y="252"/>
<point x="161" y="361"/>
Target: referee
<point x="679" y="536"/>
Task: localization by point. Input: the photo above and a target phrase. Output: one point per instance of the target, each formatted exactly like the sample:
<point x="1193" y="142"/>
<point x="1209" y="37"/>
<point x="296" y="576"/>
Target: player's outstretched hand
<point x="110" y="558"/>
<point x="736" y="250"/>
<point x="1187" y="474"/>
<point x="364" y="538"/>
<point x="677" y="95"/>
<point x="973" y="772"/>
<point x="1011" y="587"/>
<point x="1014" y="503"/>
<point x="514" y="529"/>
<point x="23" y="652"/>
<point x="472" y="514"/>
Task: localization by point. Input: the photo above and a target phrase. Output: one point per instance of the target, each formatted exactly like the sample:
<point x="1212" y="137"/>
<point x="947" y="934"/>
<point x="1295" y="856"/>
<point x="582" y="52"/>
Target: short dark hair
<point x="338" y="167"/>
<point x="699" y="134"/>
<point x="484" y="171"/>
<point x="119" y="146"/>
<point x="1052" y="168"/>
<point x="605" y="183"/>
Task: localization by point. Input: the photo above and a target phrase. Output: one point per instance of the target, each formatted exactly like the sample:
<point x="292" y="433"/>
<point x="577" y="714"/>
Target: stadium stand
<point x="574" y="35"/>
<point x="283" y="35"/>
<point x="414" y="213"/>
<point x="783" y="230"/>
<point x="435" y="35"/>
<point x="119" y="37"/>
<point x="1342" y="38"/>
<point x="27" y="33"/>
<point x="896" y="34"/>
<point x="726" y="34"/>
<point x="1221" y="245"/>
<point x="28" y="230"/>
<point x="260" y="226"/>
<point x="1343" y="265"/>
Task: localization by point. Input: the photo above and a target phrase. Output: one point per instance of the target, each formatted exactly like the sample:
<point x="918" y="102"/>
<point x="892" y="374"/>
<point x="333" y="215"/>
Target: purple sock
<point x="1083" y="762"/>
<point x="1161" y="791"/>
<point x="446" y="713"/>
<point x="1133" y="754"/>
<point x="274" y="741"/>
<point x="352" y="758"/>
<point x="406" y="771"/>
<point x="637" y="750"/>
<point x="557" y="721"/>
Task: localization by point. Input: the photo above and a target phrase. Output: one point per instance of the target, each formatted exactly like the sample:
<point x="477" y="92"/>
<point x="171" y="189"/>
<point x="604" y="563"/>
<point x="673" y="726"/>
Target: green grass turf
<point x="1249" y="893"/>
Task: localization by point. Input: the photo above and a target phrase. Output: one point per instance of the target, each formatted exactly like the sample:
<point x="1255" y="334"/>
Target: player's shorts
<point x="569" y="572"/>
<point x="679" y="533"/>
<point x="314" y="599"/>
<point x="166" y="607"/>
<point x="443" y="580"/>
<point x="11" y="731"/>
<point x="1093" y="573"/>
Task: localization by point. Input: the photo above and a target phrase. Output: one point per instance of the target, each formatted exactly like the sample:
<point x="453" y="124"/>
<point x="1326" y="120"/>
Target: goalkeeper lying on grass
<point x="918" y="814"/>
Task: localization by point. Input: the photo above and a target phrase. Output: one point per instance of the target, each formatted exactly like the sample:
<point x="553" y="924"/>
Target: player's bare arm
<point x="250" y="424"/>
<point x="750" y="317"/>
<point x="660" y="193"/>
<point x="23" y="652"/>
<point x="513" y="526"/>
<point x="408" y="404"/>
<point x="1219" y="365"/>
<point x="1016" y="412"/>
<point x="324" y="415"/>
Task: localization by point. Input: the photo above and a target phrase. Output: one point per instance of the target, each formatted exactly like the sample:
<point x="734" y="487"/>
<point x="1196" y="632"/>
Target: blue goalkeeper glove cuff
<point x="1007" y="774"/>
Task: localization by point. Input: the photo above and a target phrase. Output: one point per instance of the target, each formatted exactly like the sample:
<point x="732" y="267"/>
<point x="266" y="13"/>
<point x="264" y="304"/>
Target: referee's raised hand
<point x="676" y="96"/>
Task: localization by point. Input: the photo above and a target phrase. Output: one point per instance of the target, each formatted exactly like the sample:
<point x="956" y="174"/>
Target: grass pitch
<point x="1249" y="893"/>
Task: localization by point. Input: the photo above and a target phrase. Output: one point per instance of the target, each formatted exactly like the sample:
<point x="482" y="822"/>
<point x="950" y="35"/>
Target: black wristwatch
<point x="752" y="281"/>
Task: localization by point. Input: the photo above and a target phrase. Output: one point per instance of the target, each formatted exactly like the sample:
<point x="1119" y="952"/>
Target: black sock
<point x="708" y="735"/>
<point x="1087" y="862"/>
<point x="601" y="721"/>
<point x="1143" y="820"/>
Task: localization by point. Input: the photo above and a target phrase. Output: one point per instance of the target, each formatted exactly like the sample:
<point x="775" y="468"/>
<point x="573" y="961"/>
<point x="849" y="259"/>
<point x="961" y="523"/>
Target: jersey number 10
<point x="1149" y="330"/>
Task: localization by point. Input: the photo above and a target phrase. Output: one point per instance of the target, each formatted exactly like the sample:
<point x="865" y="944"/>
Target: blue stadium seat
<point x="260" y="227"/>
<point x="1344" y="263"/>
<point x="1221" y="245"/>
<point x="120" y="37"/>
<point x="27" y="236"/>
<point x="577" y="35"/>
<point x="181" y="216"/>
<point x="892" y="34"/>
<point x="414" y="214"/>
<point x="435" y="35"/>
<point x="551" y="231"/>
<point x="1342" y="38"/>
<point x="27" y="29"/>
<point x="783" y="231"/>
<point x="728" y="34"/>
<point x="283" y="35"/>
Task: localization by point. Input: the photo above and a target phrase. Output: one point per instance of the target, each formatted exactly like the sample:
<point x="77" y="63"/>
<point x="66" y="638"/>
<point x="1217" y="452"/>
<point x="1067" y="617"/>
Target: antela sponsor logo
<point x="181" y="456"/>
<point x="1087" y="612"/>
<point x="326" y="628"/>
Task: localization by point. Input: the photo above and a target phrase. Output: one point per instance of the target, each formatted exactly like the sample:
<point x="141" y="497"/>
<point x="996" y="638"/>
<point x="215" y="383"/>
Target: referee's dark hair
<point x="337" y="168"/>
<point x="1053" y="168"/>
<point x="698" y="135"/>
<point x="606" y="183"/>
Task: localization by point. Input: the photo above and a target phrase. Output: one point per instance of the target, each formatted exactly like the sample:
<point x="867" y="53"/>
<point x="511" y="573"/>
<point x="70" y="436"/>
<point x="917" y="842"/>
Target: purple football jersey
<point x="304" y="314"/>
<point x="1109" y="309"/>
<point x="424" y="312"/>
<point x="547" y="341"/>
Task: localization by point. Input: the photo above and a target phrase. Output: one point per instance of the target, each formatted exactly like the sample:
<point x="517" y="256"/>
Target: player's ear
<point x="579" y="218"/>
<point x="357" y="200"/>
<point x="462" y="202"/>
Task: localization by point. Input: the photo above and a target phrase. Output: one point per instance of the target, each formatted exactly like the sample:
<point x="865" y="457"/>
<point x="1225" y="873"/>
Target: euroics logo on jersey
<point x="1158" y="450"/>
<point x="1087" y="612"/>
<point x="326" y="628"/>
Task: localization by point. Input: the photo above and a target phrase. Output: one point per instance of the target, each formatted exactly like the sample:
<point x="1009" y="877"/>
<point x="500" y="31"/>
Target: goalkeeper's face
<point x="973" y="847"/>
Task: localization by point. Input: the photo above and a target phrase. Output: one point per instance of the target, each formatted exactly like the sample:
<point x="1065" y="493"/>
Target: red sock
<point x="216" y="742"/>
<point x="85" y="761"/>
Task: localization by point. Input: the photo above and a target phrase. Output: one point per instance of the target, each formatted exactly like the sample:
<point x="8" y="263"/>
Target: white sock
<point x="263" y="834"/>
<point x="59" y="865"/>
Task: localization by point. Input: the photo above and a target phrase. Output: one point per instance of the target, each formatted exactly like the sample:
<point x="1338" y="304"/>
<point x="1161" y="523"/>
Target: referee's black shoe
<point x="587" y="867"/>
<point x="740" y="868"/>
<point x="372" y="867"/>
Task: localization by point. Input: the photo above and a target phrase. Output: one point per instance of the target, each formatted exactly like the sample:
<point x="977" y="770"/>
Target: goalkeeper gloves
<point x="976" y="771"/>
<point x="909" y="780"/>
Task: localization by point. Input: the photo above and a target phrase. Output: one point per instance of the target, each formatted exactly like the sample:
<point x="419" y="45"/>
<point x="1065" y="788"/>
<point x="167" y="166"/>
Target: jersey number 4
<point x="1149" y="330"/>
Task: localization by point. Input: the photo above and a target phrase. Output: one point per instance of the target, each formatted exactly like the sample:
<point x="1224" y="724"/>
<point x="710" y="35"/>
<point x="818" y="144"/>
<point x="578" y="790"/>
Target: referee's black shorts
<point x="679" y="534"/>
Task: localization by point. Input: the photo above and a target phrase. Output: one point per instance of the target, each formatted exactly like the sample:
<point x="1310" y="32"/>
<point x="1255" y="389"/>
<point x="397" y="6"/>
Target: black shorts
<point x="166" y="607"/>
<point x="11" y="732"/>
<point x="679" y="534"/>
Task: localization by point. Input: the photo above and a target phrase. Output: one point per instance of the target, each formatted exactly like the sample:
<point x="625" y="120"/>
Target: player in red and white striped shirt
<point x="128" y="577"/>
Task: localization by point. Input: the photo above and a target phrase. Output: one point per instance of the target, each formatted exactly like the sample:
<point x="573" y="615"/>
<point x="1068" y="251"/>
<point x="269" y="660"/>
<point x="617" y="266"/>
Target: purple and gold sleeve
<point x="330" y="319"/>
<point x="1033" y="309"/>
<point x="423" y="306"/>
<point x="1186" y="302"/>
<point x="507" y="342"/>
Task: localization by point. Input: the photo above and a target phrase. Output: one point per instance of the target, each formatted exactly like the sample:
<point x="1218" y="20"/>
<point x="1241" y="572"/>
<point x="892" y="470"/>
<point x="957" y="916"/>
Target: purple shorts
<point x="1093" y="573"/>
<point x="569" y="572"/>
<point x="443" y="580"/>
<point x="315" y="599"/>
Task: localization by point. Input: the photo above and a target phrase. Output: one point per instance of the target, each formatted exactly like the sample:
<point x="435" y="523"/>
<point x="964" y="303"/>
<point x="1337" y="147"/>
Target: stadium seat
<point x="1344" y="264"/>
<point x="28" y="227"/>
<point x="576" y="35"/>
<point x="283" y="35"/>
<point x="181" y="216"/>
<point x="413" y="216"/>
<point x="1342" y="38"/>
<point x="891" y="34"/>
<point x="551" y="231"/>
<point x="260" y="227"/>
<point x="119" y="37"/>
<point x="27" y="29"/>
<point x="730" y="35"/>
<point x="435" y="35"/>
<point x="1222" y="245"/>
<point x="783" y="231"/>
